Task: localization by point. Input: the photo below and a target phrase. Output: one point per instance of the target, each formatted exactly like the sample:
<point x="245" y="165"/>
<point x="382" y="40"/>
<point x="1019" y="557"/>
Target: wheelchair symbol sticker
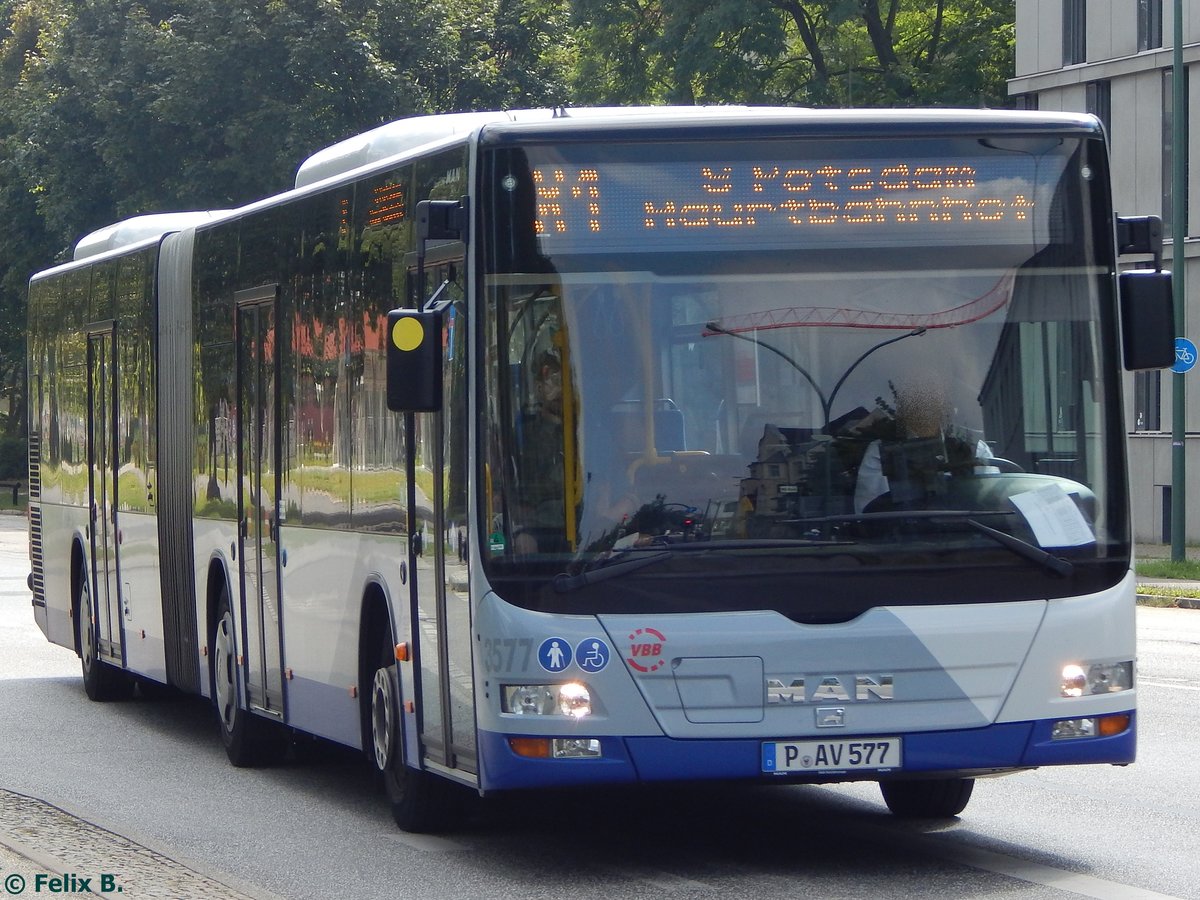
<point x="1185" y="355"/>
<point x="591" y="654"/>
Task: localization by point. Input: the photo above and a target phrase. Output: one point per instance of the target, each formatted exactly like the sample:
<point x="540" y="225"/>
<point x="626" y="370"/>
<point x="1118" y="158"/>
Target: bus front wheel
<point x="417" y="799"/>
<point x="933" y="798"/>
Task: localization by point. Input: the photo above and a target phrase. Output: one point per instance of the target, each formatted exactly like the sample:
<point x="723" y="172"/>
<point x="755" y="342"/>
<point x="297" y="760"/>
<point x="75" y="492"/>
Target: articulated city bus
<point x="580" y="447"/>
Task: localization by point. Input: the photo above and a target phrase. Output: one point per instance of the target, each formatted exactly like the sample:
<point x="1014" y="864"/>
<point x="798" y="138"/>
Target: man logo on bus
<point x="646" y="650"/>
<point x="784" y="690"/>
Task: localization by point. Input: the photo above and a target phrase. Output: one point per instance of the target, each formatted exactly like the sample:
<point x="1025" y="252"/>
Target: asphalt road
<point x="152" y="774"/>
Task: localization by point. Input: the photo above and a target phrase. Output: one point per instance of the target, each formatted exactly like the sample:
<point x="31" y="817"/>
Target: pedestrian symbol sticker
<point x="591" y="654"/>
<point x="554" y="654"/>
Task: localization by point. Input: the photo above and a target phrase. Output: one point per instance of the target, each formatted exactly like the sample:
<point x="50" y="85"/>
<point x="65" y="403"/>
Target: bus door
<point x="442" y="597"/>
<point x="258" y="512"/>
<point x="102" y="489"/>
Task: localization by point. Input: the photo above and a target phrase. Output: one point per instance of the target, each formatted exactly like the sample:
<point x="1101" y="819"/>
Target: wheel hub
<point x="226" y="676"/>
<point x="87" y="636"/>
<point x="382" y="719"/>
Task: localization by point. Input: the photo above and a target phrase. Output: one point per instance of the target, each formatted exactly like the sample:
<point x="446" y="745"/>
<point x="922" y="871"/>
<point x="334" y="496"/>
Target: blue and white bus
<point x="581" y="447"/>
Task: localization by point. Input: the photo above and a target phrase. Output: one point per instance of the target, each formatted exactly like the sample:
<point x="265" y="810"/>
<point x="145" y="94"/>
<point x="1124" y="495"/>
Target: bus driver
<point x="901" y="471"/>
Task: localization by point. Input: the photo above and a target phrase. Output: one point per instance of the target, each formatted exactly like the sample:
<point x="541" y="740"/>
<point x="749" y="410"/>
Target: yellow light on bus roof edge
<point x="408" y="333"/>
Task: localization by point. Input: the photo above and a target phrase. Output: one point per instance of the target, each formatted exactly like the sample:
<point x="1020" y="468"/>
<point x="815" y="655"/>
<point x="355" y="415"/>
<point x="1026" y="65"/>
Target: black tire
<point x="101" y="681"/>
<point x="249" y="739"/>
<point x="934" y="798"/>
<point x="420" y="802"/>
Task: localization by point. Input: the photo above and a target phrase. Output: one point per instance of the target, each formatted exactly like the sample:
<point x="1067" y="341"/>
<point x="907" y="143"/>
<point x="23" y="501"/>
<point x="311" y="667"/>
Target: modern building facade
<point x="1113" y="58"/>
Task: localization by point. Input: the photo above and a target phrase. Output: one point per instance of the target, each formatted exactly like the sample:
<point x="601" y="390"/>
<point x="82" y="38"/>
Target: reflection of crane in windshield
<point x="916" y="324"/>
<point x="828" y="316"/>
<point x="712" y="328"/>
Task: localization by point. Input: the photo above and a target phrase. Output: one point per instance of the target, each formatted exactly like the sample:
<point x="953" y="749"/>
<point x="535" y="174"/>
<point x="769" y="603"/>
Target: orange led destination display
<point x="888" y="202"/>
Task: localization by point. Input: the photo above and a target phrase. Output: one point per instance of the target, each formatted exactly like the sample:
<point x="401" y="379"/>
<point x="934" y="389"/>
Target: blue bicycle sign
<point x="1185" y="355"/>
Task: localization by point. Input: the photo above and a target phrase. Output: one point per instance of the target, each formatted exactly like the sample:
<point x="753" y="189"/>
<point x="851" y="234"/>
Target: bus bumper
<point x="995" y="749"/>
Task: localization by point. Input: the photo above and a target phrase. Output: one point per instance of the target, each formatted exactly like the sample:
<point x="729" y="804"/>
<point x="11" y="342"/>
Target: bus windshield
<point x="878" y="365"/>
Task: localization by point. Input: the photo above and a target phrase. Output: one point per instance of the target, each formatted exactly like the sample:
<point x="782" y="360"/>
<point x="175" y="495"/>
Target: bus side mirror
<point x="1147" y="320"/>
<point x="414" y="360"/>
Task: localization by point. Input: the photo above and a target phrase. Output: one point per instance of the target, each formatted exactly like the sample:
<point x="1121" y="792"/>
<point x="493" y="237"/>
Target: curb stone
<point x="1179" y="602"/>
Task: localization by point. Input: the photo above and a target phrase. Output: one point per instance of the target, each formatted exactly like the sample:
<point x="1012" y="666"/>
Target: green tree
<point x="130" y="106"/>
<point x="948" y="52"/>
<point x="676" y="51"/>
<point x="480" y="54"/>
<point x="27" y="245"/>
<point x="810" y="52"/>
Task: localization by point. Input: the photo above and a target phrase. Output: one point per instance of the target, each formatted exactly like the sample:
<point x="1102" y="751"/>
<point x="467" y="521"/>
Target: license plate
<point x="862" y="754"/>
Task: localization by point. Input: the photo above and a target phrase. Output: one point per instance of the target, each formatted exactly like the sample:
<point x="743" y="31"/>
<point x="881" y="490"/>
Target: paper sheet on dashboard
<point x="1055" y="519"/>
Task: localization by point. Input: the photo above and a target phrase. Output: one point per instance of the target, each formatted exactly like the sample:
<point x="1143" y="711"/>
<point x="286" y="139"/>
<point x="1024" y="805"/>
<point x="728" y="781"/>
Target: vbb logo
<point x="646" y="650"/>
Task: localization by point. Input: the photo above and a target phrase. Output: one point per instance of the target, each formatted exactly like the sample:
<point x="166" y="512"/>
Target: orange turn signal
<point x="1107" y="726"/>
<point x="535" y="748"/>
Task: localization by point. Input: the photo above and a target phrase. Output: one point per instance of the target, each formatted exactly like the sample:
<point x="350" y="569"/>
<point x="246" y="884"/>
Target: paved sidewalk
<point x="37" y="839"/>
<point x="12" y="863"/>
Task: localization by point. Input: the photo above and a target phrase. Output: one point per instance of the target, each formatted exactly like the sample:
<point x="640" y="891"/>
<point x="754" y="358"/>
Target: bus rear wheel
<point x="101" y="681"/>
<point x="420" y="802"/>
<point x="933" y="798"/>
<point x="249" y="740"/>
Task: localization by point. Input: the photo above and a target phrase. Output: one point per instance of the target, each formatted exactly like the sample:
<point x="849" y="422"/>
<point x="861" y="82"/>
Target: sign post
<point x="1179" y="136"/>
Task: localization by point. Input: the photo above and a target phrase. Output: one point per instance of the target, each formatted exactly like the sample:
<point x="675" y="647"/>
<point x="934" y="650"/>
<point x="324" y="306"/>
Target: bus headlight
<point x="574" y="700"/>
<point x="571" y="699"/>
<point x="1097" y="678"/>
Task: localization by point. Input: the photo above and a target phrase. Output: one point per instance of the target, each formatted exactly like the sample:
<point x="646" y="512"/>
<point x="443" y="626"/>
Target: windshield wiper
<point x="1055" y="564"/>
<point x="896" y="514"/>
<point x="618" y="564"/>
<point x="564" y="583"/>
<point x="1033" y="553"/>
